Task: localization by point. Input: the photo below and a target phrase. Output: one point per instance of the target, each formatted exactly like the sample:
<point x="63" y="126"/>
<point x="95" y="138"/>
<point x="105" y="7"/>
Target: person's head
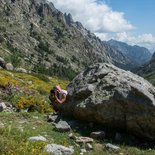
<point x="57" y="88"/>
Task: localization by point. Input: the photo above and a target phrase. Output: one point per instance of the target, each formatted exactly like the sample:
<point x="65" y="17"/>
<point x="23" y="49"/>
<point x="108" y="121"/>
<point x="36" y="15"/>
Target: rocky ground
<point x="35" y="133"/>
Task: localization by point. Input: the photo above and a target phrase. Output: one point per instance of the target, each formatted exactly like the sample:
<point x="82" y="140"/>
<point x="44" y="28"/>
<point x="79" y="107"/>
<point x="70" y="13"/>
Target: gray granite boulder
<point x="58" y="149"/>
<point x="9" y="66"/>
<point x="114" y="98"/>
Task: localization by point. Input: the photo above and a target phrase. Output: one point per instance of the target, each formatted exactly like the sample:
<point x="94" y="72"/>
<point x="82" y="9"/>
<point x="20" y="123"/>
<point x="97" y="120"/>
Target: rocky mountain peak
<point x="68" y="18"/>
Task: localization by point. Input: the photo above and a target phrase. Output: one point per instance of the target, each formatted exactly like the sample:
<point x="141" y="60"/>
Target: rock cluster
<point x="9" y="66"/>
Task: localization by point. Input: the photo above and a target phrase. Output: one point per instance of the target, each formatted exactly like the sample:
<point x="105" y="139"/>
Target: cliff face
<point x="37" y="36"/>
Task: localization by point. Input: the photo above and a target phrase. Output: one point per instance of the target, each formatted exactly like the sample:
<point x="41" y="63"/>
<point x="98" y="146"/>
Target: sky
<point x="130" y="21"/>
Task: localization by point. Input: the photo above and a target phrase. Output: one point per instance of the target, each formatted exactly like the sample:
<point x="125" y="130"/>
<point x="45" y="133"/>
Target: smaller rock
<point x="89" y="146"/>
<point x="53" y="118"/>
<point x="62" y="126"/>
<point x="58" y="149"/>
<point x="2" y="106"/>
<point x="21" y="70"/>
<point x="112" y="148"/>
<point x="9" y="66"/>
<point x="98" y="135"/>
<point x="84" y="140"/>
<point x="2" y="63"/>
<point x="38" y="138"/>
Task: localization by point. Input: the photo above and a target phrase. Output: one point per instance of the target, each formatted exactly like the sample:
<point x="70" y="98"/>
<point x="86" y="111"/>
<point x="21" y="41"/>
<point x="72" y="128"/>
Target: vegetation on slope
<point x="150" y="77"/>
<point x="26" y="91"/>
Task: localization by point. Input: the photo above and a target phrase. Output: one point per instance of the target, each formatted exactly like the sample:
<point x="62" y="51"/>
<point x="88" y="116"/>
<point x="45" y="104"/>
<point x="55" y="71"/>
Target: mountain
<point x="136" y="54"/>
<point x="148" y="70"/>
<point x="38" y="37"/>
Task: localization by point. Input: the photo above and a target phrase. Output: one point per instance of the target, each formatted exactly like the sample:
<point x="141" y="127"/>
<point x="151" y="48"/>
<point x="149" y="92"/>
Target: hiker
<point x="57" y="97"/>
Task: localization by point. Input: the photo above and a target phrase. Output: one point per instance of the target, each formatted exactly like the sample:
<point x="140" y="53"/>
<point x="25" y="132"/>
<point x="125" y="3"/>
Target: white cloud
<point x="97" y="17"/>
<point x="144" y="40"/>
<point x="107" y="24"/>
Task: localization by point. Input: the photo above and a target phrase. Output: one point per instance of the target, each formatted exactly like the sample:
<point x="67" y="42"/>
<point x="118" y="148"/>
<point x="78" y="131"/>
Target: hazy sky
<point x="130" y="21"/>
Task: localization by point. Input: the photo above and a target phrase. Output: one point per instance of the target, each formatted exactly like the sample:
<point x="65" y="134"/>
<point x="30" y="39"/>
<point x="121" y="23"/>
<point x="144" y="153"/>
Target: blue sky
<point x="140" y="13"/>
<point x="130" y="21"/>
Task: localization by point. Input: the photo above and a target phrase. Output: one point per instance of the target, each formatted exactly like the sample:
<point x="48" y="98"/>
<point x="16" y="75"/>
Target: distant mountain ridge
<point x="148" y="68"/>
<point x="136" y="54"/>
<point x="38" y="37"/>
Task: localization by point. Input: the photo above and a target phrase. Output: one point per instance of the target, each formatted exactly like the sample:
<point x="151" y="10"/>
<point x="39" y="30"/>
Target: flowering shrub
<point x="33" y="103"/>
<point x="26" y="91"/>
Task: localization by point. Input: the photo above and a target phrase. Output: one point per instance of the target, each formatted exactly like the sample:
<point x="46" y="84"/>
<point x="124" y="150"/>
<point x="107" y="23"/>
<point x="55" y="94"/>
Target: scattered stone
<point x="82" y="151"/>
<point x="84" y="140"/>
<point x="53" y="118"/>
<point x="2" y="106"/>
<point x="88" y="146"/>
<point x="9" y="66"/>
<point x="112" y="148"/>
<point x="58" y="149"/>
<point x="62" y="126"/>
<point x="21" y="70"/>
<point x="38" y="138"/>
<point x="2" y="63"/>
<point x="98" y="135"/>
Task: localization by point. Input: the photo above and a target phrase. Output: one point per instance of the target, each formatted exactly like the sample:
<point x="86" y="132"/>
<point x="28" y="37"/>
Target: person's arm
<point x="62" y="100"/>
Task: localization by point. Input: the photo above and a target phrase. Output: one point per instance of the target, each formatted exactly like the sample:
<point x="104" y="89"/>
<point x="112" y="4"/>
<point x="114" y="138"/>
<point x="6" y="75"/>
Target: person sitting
<point x="57" y="97"/>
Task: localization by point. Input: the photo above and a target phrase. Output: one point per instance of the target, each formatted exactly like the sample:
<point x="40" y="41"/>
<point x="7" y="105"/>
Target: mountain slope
<point x="36" y="36"/>
<point x="148" y="70"/>
<point x="136" y="54"/>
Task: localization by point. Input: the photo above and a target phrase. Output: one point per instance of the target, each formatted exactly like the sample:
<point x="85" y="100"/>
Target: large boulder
<point x="114" y="98"/>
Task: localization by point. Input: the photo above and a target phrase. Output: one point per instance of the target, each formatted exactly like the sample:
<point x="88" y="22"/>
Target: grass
<point x="17" y="127"/>
<point x="150" y="77"/>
